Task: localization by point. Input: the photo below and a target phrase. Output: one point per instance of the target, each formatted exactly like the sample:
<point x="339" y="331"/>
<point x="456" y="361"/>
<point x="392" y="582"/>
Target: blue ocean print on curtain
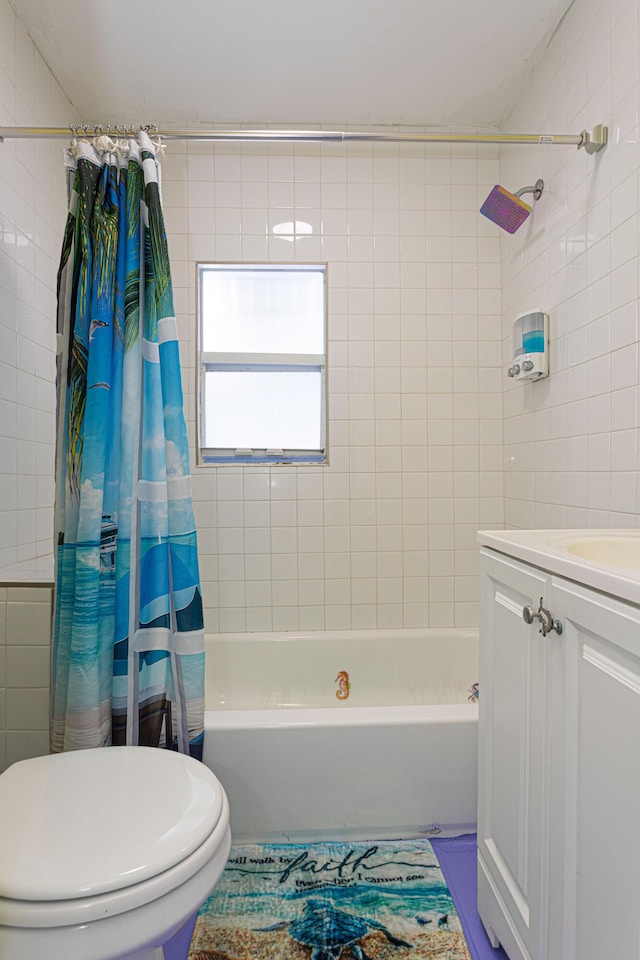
<point x="128" y="656"/>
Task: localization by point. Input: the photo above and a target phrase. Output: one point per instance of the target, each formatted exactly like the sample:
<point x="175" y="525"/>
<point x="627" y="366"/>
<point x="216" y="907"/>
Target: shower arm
<point x="536" y="190"/>
<point x="592" y="140"/>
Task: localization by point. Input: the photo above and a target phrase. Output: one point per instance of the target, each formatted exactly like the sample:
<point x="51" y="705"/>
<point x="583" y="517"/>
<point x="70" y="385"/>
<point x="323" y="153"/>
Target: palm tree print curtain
<point x="128" y="658"/>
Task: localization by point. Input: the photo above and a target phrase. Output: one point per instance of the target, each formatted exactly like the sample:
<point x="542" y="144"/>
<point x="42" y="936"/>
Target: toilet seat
<point x="65" y="862"/>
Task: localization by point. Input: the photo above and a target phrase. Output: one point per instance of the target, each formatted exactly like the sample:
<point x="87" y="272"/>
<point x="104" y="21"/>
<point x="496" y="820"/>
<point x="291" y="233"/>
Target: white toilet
<point x="104" y="854"/>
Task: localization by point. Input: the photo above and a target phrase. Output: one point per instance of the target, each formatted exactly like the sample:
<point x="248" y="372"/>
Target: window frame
<point x="211" y="361"/>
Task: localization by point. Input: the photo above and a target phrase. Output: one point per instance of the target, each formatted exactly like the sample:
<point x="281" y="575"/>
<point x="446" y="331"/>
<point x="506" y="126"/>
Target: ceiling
<point x="342" y="62"/>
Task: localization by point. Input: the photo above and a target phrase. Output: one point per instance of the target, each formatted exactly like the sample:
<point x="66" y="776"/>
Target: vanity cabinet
<point x="559" y="767"/>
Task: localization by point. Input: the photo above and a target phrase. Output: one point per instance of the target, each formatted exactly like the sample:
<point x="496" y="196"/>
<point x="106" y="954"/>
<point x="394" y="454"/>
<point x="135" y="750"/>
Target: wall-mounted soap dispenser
<point x="530" y="346"/>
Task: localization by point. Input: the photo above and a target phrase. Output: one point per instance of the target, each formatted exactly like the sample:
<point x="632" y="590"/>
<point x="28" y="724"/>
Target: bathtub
<point x="395" y="757"/>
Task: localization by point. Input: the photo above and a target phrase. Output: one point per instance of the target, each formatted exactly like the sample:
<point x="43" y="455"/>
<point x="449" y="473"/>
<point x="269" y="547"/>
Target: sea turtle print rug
<point x="330" y="901"/>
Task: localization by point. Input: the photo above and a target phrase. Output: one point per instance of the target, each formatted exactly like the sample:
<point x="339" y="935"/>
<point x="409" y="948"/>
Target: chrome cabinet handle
<point x="547" y="623"/>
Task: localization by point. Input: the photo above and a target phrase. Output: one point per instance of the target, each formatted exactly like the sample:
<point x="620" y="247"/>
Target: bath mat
<point x="330" y="901"/>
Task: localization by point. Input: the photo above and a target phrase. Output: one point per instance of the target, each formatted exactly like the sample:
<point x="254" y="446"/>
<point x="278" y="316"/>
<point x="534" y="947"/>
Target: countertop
<point x="549" y="550"/>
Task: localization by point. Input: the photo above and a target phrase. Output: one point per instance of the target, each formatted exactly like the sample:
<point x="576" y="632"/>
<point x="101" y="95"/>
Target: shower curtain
<point x="128" y="655"/>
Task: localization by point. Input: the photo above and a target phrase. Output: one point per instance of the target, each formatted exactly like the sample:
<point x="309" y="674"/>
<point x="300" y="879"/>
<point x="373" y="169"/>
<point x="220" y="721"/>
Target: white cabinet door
<point x="513" y="789"/>
<point x="600" y="827"/>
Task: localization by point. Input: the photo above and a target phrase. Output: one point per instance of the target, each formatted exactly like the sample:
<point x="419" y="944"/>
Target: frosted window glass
<point x="263" y="409"/>
<point x="263" y="311"/>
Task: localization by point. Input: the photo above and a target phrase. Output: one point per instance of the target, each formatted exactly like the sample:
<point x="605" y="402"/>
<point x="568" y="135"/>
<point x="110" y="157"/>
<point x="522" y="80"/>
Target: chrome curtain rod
<point x="592" y="140"/>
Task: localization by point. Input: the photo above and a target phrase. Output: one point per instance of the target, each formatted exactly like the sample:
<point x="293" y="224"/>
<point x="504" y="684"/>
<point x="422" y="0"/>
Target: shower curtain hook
<point x="73" y="137"/>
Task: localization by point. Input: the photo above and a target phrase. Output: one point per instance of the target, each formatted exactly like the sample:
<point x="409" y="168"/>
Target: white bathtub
<point x="396" y="758"/>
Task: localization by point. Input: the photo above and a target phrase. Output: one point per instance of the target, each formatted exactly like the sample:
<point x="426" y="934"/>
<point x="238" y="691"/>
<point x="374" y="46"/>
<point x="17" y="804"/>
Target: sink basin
<point x="612" y="551"/>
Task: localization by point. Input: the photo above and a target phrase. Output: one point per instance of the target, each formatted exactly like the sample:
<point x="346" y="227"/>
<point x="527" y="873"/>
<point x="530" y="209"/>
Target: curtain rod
<point x="592" y="140"/>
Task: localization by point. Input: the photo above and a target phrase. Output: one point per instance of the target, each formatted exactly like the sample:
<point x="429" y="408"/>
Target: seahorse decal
<point x="343" y="684"/>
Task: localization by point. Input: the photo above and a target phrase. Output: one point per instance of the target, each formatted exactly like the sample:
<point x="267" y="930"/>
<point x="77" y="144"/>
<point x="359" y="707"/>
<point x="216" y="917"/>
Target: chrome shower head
<point x="507" y="209"/>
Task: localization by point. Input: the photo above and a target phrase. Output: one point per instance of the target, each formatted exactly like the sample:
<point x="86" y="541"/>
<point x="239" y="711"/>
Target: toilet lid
<point x="93" y="821"/>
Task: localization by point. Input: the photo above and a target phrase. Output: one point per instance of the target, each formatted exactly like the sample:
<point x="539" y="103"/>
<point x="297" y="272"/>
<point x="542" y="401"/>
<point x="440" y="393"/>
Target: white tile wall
<point x="25" y="631"/>
<point x="385" y="535"/>
<point x="572" y="440"/>
<point x="32" y="216"/>
<point x="3" y="677"/>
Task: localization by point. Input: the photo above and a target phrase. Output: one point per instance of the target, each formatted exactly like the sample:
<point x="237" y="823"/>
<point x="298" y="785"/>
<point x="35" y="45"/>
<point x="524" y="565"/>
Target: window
<point x="261" y="386"/>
